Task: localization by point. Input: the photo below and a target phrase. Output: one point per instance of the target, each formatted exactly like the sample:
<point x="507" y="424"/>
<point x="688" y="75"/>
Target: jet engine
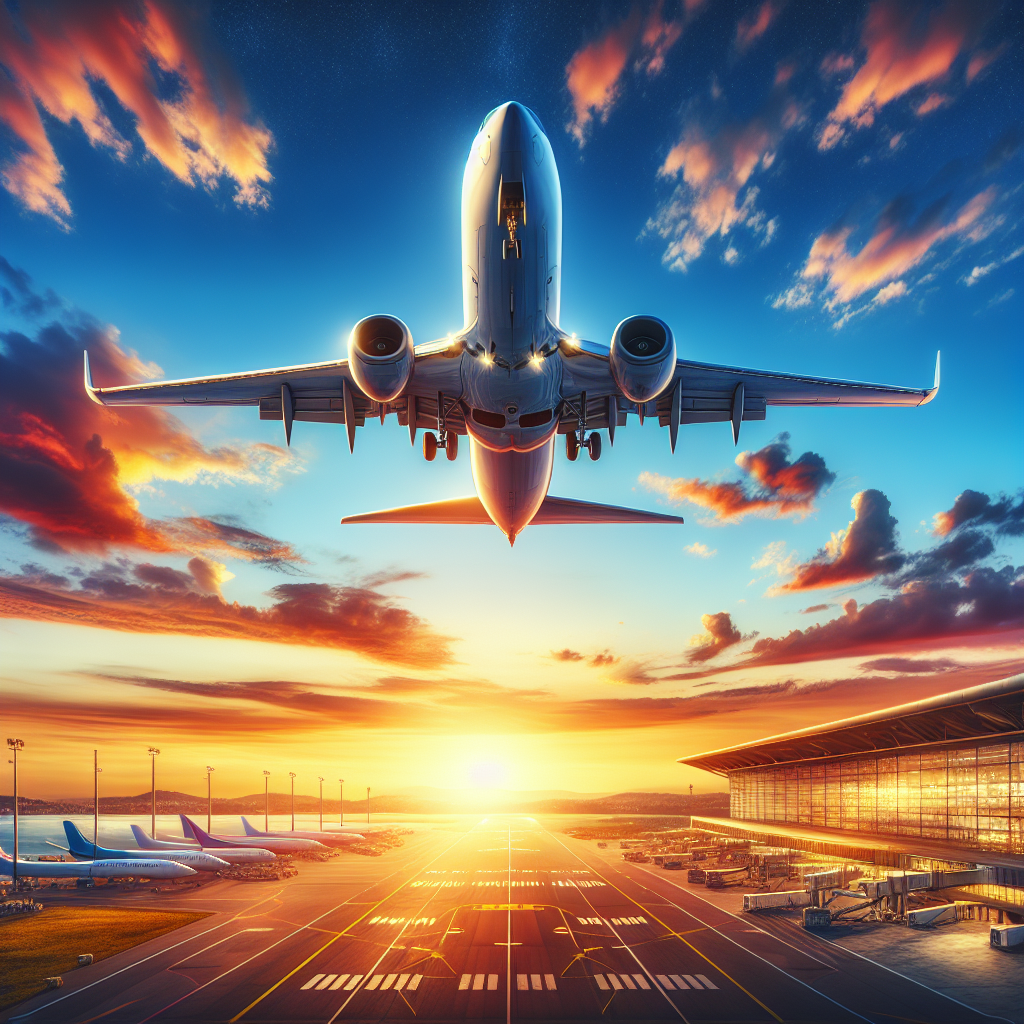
<point x="643" y="357"/>
<point x="380" y="356"/>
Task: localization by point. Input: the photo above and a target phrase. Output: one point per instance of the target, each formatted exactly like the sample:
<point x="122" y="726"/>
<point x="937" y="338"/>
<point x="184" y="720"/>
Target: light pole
<point x="152" y="757"/>
<point x="292" y="774"/>
<point x="96" y="769"/>
<point x="367" y="805"/>
<point x="209" y="797"/>
<point x="321" y="778"/>
<point x="14" y="746"/>
<point x="341" y="802"/>
<point x="266" y="801"/>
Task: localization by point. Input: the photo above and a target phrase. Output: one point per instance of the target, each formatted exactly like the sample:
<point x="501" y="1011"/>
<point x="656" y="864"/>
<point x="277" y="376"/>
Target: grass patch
<point x="42" y="945"/>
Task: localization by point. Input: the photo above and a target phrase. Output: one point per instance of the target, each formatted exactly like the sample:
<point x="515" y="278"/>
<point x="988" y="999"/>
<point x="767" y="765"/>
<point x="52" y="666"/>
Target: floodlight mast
<point x="209" y="797"/>
<point x="341" y="802"/>
<point x="14" y="745"/>
<point x="292" y="774"/>
<point x="152" y="757"/>
<point x="96" y="769"/>
<point x="321" y="778"/>
<point x="266" y="800"/>
<point x="367" y="805"/>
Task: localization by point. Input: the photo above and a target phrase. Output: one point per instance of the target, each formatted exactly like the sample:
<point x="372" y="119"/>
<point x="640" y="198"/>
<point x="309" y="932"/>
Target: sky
<point x="192" y="189"/>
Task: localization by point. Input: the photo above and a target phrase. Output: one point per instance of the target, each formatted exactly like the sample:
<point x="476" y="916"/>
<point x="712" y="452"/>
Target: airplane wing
<point x="707" y="393"/>
<point x="317" y="392"/>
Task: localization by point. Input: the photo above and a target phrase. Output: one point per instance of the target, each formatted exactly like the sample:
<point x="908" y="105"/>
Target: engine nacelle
<point x="643" y="357"/>
<point x="381" y="357"/>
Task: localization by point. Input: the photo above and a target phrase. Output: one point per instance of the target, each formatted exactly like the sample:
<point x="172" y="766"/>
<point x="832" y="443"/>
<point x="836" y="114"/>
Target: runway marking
<point x="627" y="981"/>
<point x="342" y="978"/>
<point x="374" y="982"/>
<point x="679" y="982"/>
<point x="356" y="978"/>
<point x="464" y="982"/>
<point x="400" y="984"/>
<point x="549" y="982"/>
<point x="601" y="983"/>
<point x="415" y="983"/>
<point x="312" y="981"/>
<point x="664" y="982"/>
<point x="238" y="1016"/>
<point x="642" y="982"/>
<point x="107" y="1013"/>
<point x="326" y="982"/>
<point x="492" y="983"/>
<point x="389" y="981"/>
<point x="535" y="982"/>
<point x="522" y="982"/>
<point x="693" y="983"/>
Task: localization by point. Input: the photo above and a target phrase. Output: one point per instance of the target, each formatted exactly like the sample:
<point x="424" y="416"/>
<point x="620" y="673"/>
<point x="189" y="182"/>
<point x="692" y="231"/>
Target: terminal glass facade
<point x="968" y="796"/>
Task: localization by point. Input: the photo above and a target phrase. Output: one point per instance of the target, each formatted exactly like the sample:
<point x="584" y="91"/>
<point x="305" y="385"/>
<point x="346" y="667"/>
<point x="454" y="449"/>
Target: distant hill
<point x="422" y="802"/>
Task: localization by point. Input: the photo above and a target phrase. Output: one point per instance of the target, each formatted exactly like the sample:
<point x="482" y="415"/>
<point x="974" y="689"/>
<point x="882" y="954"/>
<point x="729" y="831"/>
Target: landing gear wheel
<point x="451" y="447"/>
<point x="572" y="446"/>
<point x="594" y="446"/>
<point x="429" y="446"/>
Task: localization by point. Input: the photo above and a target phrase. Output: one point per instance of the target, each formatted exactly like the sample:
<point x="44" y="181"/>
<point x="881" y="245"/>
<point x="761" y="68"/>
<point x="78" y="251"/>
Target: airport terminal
<point x="933" y="786"/>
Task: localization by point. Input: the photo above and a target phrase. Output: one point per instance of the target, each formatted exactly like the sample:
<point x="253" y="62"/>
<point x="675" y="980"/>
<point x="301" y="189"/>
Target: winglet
<point x="92" y="392"/>
<point x="934" y="389"/>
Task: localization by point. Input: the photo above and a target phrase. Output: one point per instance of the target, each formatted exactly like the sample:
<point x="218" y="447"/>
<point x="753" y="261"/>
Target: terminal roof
<point x="990" y="711"/>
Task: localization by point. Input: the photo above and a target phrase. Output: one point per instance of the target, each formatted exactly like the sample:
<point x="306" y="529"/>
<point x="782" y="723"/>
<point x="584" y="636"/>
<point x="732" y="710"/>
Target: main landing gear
<point x="577" y="439"/>
<point x="444" y="438"/>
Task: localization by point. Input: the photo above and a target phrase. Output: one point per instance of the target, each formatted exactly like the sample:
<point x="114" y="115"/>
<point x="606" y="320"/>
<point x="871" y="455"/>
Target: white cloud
<point x="701" y="550"/>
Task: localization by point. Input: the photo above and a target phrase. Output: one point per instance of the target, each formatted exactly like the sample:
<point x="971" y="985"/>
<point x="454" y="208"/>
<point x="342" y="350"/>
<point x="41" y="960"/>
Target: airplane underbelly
<point x="512" y="485"/>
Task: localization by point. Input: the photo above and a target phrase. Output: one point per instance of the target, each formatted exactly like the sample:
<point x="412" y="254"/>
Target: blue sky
<point x="371" y="110"/>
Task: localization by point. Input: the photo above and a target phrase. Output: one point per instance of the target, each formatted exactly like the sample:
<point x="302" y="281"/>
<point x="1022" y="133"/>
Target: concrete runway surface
<point x="506" y="921"/>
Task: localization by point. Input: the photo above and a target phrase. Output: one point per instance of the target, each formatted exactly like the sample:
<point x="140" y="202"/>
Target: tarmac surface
<point x="505" y="921"/>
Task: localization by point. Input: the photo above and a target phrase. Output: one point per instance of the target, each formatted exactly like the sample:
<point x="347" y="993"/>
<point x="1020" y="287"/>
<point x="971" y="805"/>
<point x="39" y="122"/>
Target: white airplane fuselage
<point x="511" y="266"/>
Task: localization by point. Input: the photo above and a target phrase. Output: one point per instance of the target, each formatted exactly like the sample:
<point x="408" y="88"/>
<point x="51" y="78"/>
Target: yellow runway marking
<point x="107" y="1013"/>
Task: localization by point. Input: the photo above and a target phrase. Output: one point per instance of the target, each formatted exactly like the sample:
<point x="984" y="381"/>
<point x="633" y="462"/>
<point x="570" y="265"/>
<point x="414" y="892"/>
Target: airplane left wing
<point x="316" y="392"/>
<point x="707" y="393"/>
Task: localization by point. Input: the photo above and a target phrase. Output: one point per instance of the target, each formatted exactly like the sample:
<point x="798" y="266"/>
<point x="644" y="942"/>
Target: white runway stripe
<point x="478" y="982"/>
<point x="535" y="982"/>
<point x="642" y="982"/>
<point x="342" y="978"/>
<point x="374" y="981"/>
<point x="615" y="983"/>
<point x="415" y="983"/>
<point x="601" y="983"/>
<point x="549" y="981"/>
<point x="679" y="982"/>
<point x="400" y="984"/>
<point x="693" y="982"/>
<point x="665" y="983"/>
<point x="389" y="981"/>
<point x="627" y="981"/>
<point x="464" y="982"/>
<point x="326" y="982"/>
<point x="492" y="983"/>
<point x="522" y="982"/>
<point x="312" y="981"/>
<point x="706" y="983"/>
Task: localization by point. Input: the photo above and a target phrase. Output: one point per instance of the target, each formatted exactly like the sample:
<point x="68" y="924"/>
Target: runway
<point x="505" y="921"/>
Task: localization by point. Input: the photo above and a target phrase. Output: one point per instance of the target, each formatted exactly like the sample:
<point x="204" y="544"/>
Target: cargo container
<point x="696" y="875"/>
<point x="775" y="900"/>
<point x="817" y="917"/>
<point x="672" y="863"/>
<point x="719" y="878"/>
<point x="1007" y="936"/>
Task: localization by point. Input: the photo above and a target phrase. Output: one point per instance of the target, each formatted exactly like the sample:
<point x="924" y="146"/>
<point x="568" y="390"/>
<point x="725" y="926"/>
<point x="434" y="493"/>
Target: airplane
<point x="233" y="855"/>
<point x="81" y="849"/>
<point x="330" y="836"/>
<point x="511" y="379"/>
<point x="274" y="845"/>
<point x="115" y="868"/>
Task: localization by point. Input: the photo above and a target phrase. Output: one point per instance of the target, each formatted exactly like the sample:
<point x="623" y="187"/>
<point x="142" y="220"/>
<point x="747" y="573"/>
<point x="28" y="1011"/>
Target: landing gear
<point x="445" y="437"/>
<point x="429" y="446"/>
<point x="594" y="446"/>
<point x="572" y="446"/>
<point x="451" y="445"/>
<point x="578" y="438"/>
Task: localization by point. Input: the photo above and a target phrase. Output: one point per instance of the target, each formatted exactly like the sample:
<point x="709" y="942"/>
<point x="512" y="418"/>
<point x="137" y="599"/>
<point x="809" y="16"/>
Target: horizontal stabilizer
<point x="470" y="512"/>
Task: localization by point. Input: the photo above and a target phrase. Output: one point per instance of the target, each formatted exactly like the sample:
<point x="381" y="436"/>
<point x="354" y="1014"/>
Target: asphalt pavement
<point x="506" y="921"/>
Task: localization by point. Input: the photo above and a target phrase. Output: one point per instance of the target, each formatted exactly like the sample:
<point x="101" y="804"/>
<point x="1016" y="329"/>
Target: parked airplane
<point x="334" y="837"/>
<point x="512" y="378"/>
<point x="272" y="844"/>
<point x="115" y="868"/>
<point x="233" y="855"/>
<point x="81" y="849"/>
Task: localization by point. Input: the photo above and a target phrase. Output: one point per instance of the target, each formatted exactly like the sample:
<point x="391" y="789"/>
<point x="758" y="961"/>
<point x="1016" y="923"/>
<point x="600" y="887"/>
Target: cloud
<point x="812" y="609"/>
<point x="1002" y="297"/>
<point x="719" y="634"/>
<point x="898" y="242"/>
<point x="865" y="549"/>
<point x="933" y="101"/>
<point x="67" y="464"/>
<point x="754" y="25"/>
<point x="155" y="60"/>
<point x="981" y="59"/>
<point x="983" y="271"/>
<point x="700" y="550"/>
<point x="903" y="49"/>
<point x="911" y="665"/>
<point x="984" y="602"/>
<point x="567" y="655"/>
<point x="594" y="73"/>
<point x="972" y="508"/>
<point x="144" y="598"/>
<point x="713" y="167"/>
<point x="600" y="660"/>
<point x="776" y="485"/>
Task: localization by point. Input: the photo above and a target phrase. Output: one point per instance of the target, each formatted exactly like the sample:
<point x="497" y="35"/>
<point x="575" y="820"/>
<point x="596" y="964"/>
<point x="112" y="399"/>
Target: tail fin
<point x="251" y="830"/>
<point x="144" y="842"/>
<point x="204" y="839"/>
<point x="78" y="845"/>
<point x="186" y="830"/>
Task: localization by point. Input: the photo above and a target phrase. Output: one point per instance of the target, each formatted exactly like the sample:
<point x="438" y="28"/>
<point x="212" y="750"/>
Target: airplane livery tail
<point x="205" y="840"/>
<point x="144" y="841"/>
<point x="250" y="830"/>
<point x="78" y="845"/>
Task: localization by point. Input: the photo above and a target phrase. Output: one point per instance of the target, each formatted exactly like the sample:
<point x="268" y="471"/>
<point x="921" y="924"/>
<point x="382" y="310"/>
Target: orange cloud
<point x="972" y="508"/>
<point x="896" y="246"/>
<point x="777" y="485"/>
<point x="719" y="633"/>
<point x="865" y="549"/>
<point x="56" y="54"/>
<point x="933" y="101"/>
<point x="594" y="72"/>
<point x="715" y="168"/>
<point x="159" y="599"/>
<point x="66" y="464"/>
<point x="903" y="51"/>
<point x="754" y="25"/>
<point x="981" y="59"/>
